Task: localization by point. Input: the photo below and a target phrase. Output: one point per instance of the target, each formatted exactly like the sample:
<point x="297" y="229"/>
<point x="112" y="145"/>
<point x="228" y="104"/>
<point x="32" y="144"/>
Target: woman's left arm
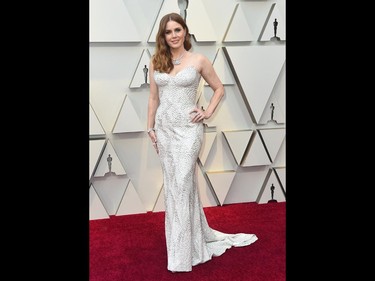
<point x="209" y="75"/>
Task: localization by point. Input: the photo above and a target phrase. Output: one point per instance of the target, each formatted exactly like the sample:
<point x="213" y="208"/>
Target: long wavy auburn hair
<point x="162" y="59"/>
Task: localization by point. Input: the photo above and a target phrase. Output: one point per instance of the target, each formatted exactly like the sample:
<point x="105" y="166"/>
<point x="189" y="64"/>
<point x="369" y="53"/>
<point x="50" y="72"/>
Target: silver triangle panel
<point x="274" y="28"/>
<point x="271" y="191"/>
<point x="110" y="21"/>
<point x="246" y="184"/>
<point x="280" y="161"/>
<point x="280" y="173"/>
<point x="131" y="202"/>
<point x="128" y="119"/>
<point x="256" y="153"/>
<point x="274" y="111"/>
<point x="272" y="139"/>
<point x="208" y="140"/>
<point x="255" y="14"/>
<point x="257" y="77"/>
<point x="238" y="29"/>
<point x="222" y="69"/>
<point x="238" y="142"/>
<point x="109" y="163"/>
<point x="97" y="209"/>
<point x="221" y="182"/>
<point x="110" y="189"/>
<point x="96" y="149"/>
<point x="96" y="128"/>
<point x="141" y="77"/>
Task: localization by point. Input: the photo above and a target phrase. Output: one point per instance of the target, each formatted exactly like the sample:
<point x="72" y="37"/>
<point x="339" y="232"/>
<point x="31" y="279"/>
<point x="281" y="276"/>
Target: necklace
<point x="178" y="60"/>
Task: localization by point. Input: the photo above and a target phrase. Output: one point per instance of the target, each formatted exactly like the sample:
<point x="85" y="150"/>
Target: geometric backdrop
<point x="243" y="154"/>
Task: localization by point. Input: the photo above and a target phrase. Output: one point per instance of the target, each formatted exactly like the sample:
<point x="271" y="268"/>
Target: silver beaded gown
<point x="189" y="239"/>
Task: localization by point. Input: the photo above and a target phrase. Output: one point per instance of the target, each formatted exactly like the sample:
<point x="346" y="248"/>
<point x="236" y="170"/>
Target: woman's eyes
<point x="177" y="30"/>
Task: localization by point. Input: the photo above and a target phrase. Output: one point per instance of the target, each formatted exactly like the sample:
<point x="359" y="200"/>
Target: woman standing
<point x="175" y="126"/>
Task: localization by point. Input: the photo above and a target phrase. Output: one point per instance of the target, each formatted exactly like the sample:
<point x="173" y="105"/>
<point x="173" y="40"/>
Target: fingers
<point x="155" y="145"/>
<point x="198" y="117"/>
<point x="154" y="140"/>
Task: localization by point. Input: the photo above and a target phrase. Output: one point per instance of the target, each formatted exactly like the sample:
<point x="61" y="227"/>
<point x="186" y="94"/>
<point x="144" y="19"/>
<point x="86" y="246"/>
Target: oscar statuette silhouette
<point x="272" y="193"/>
<point x="275" y="38"/>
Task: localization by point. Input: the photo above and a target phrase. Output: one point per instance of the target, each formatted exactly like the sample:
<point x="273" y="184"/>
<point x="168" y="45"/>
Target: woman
<point x="175" y="126"/>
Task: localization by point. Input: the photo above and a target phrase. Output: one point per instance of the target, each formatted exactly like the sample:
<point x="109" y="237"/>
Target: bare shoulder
<point x="199" y="60"/>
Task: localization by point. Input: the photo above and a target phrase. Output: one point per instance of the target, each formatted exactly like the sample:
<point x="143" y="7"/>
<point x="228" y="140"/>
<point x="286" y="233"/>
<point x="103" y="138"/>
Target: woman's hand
<point x="199" y="115"/>
<point x="154" y="140"/>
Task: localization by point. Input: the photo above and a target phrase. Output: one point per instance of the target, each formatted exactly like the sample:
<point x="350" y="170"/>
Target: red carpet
<point x="132" y="247"/>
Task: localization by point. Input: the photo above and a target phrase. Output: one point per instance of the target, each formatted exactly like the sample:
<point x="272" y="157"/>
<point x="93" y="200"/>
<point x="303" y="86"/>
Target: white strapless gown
<point x="190" y="240"/>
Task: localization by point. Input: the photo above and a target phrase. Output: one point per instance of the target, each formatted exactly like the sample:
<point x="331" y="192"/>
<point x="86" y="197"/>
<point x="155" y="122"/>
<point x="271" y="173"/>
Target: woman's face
<point x="174" y="35"/>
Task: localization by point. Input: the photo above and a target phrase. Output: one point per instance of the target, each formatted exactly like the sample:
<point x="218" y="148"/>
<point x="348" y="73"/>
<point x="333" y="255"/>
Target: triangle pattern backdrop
<point x="238" y="22"/>
<point x="196" y="17"/>
<point x="96" y="129"/>
<point x="141" y="75"/>
<point x="110" y="21"/>
<point x="243" y="153"/>
<point x="111" y="189"/>
<point x="222" y="69"/>
<point x="109" y="162"/>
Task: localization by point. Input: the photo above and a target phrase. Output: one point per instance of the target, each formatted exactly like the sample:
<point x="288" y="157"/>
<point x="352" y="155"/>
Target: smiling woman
<point x="175" y="127"/>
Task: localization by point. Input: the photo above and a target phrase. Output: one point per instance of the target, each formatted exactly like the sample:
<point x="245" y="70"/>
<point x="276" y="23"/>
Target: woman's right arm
<point x="153" y="103"/>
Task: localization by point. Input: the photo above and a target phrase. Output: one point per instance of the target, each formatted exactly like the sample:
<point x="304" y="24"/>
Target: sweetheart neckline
<point x="187" y="67"/>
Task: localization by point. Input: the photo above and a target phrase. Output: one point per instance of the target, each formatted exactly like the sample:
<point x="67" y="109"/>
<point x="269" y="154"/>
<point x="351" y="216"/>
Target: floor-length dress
<point x="190" y="240"/>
